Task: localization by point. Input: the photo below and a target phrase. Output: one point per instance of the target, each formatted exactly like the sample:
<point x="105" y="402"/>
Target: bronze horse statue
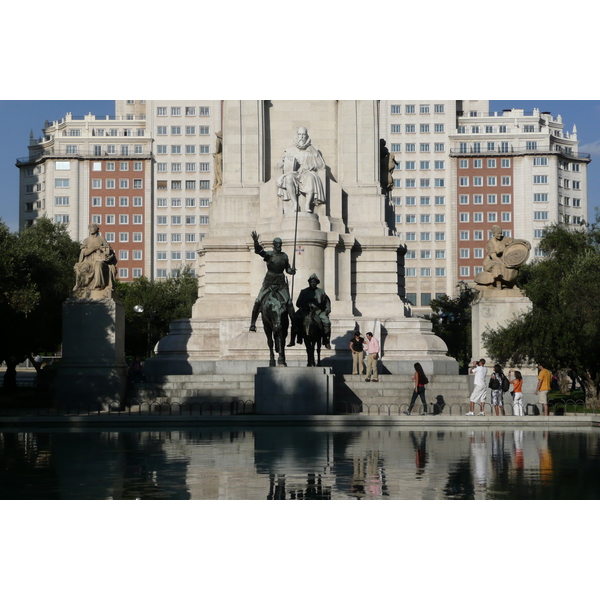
<point x="275" y="322"/>
<point x="312" y="334"/>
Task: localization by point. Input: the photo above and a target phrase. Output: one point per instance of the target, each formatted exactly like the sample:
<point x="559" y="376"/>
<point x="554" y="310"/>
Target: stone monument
<point x="499" y="300"/>
<point x="93" y="371"/>
<point x="322" y="196"/>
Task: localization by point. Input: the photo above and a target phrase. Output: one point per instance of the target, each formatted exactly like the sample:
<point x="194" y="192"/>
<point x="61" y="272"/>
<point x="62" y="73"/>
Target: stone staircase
<point x="395" y="391"/>
<point x="351" y="392"/>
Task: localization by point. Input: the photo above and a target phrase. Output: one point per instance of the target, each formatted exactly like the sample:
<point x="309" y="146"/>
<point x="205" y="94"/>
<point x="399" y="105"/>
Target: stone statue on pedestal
<point x="300" y="164"/>
<point x="95" y="271"/>
<point x="387" y="164"/>
<point x="218" y="161"/>
<point x="504" y="256"/>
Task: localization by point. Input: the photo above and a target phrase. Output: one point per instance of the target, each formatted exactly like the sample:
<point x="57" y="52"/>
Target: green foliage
<point x="562" y="329"/>
<point x="163" y="302"/>
<point x="36" y="276"/>
<point x="452" y="322"/>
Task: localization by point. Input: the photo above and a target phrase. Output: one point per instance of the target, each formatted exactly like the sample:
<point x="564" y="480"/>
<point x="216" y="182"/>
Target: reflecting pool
<point x="300" y="462"/>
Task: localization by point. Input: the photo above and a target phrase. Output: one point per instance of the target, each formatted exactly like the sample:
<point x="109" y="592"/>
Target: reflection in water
<point x="300" y="463"/>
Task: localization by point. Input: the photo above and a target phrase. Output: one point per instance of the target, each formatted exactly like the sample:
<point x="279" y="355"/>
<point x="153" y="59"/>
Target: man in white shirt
<point x="480" y="389"/>
<point x="372" y="356"/>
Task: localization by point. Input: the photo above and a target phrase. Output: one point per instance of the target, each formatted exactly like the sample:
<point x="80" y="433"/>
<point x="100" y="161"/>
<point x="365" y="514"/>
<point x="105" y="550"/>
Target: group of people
<point x="499" y="384"/>
<point x="357" y="347"/>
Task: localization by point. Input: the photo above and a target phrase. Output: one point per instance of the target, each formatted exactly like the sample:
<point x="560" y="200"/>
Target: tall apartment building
<point x="184" y="140"/>
<point x="460" y="170"/>
<point x="93" y="169"/>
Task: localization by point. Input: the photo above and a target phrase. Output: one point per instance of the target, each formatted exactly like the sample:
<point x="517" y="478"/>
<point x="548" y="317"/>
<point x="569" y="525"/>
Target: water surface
<point x="293" y="463"/>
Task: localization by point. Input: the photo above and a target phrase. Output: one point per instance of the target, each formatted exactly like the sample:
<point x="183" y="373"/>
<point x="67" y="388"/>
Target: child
<point x="517" y="383"/>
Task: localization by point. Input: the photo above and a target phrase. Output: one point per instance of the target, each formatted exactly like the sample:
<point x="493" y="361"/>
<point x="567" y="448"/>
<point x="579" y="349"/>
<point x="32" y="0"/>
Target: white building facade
<point x="459" y="171"/>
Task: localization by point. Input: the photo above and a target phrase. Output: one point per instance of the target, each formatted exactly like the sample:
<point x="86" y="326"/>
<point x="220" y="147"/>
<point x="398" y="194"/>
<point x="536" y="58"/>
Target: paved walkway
<point x="145" y="420"/>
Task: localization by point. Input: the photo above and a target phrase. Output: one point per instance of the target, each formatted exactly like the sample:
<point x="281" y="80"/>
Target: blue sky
<point x="19" y="117"/>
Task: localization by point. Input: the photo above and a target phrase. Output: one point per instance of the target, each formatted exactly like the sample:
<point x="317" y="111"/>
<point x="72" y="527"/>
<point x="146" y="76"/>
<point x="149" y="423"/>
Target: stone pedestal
<point x="494" y="308"/>
<point x="293" y="391"/>
<point x="93" y="371"/>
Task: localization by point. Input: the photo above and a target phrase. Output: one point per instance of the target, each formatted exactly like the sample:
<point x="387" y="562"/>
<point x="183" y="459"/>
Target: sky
<point x="19" y="117"/>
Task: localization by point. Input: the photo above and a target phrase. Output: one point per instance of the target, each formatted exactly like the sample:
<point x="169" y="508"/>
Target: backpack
<point x="494" y="383"/>
<point x="505" y="383"/>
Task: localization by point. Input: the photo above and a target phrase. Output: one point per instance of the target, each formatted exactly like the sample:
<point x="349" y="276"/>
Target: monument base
<point x="494" y="308"/>
<point x="92" y="372"/>
<point x="293" y="391"/>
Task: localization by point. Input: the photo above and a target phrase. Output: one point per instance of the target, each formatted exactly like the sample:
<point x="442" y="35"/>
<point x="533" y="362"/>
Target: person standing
<point x="480" y="389"/>
<point x="497" y="395"/>
<point x="543" y="387"/>
<point x="420" y="380"/>
<point x="517" y="384"/>
<point x="372" y="357"/>
<point x="358" y="351"/>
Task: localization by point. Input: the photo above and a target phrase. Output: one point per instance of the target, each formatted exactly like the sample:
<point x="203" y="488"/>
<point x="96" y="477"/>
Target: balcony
<point x="470" y="150"/>
<point x="37" y="157"/>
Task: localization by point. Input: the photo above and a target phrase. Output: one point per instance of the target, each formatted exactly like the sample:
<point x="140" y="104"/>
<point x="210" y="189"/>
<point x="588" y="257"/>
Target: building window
<point x="464" y="235"/>
<point x="540" y="179"/>
<point x="506" y="199"/>
<point x="492" y="198"/>
<point x="540" y="215"/>
<point x="440" y="236"/>
<point x="440" y="218"/>
<point x="465" y="271"/>
<point x="440" y="254"/>
<point x="395" y="109"/>
<point x="464" y="217"/>
<point x="396" y="128"/>
<point x="161" y="273"/>
<point x="506" y="217"/>
<point x="464" y="253"/>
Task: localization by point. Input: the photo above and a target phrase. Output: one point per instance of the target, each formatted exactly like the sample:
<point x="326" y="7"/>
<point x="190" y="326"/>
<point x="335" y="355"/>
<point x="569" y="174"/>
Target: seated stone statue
<point x="96" y="268"/>
<point x="504" y="256"/>
<point x="300" y="164"/>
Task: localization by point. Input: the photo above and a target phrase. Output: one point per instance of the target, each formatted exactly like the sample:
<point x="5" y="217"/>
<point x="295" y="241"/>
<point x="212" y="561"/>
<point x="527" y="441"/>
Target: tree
<point x="452" y="322"/>
<point x="36" y="276"/>
<point x="162" y="302"/>
<point x="562" y="329"/>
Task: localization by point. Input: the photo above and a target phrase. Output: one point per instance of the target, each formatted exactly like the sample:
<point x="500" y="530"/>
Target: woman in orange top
<point x="517" y="383"/>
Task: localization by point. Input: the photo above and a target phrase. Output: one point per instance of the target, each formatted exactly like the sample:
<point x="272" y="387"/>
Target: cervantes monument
<point x="309" y="172"/>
